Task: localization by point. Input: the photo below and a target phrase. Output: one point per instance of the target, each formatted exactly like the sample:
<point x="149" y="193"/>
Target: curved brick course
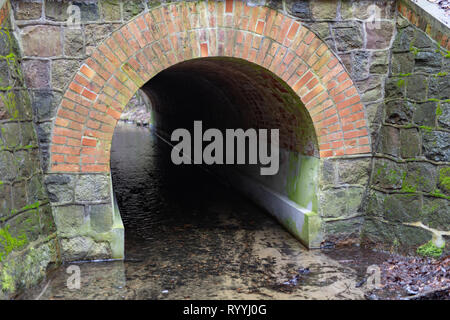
<point x="166" y="35"/>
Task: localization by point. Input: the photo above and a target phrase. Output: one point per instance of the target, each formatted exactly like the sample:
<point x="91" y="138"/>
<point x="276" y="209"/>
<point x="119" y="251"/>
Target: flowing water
<point x="189" y="237"/>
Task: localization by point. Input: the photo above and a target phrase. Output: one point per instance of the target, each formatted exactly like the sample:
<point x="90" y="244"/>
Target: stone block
<point x="19" y="195"/>
<point x="370" y="89"/>
<point x="27" y="134"/>
<point x="84" y="248"/>
<point x="60" y="70"/>
<point x="443" y="114"/>
<point x="60" y="187"/>
<point x="11" y="134"/>
<point x="403" y="40"/>
<point x="436" y="213"/>
<point x="35" y="189"/>
<point x="379" y="34"/>
<point x="421" y="40"/>
<point x="388" y="174"/>
<point x="416" y="87"/>
<point x="398" y="111"/>
<point x="25" y="226"/>
<point x="393" y="236"/>
<point x="348" y="35"/>
<point x="343" y="230"/>
<point x="73" y="43"/>
<point x="324" y="9"/>
<point x="360" y="65"/>
<point x="353" y="171"/>
<point x="45" y="103"/>
<point x="299" y="8"/>
<point x="95" y="34"/>
<point x="92" y="188"/>
<point x="421" y="176"/>
<point x="322" y="29"/>
<point x="41" y="41"/>
<point x="327" y="174"/>
<point x="25" y="10"/>
<point x="101" y="217"/>
<point x="367" y="9"/>
<point x="395" y="88"/>
<point x="8" y="168"/>
<point x="47" y="222"/>
<point x="5" y="199"/>
<point x="402" y="208"/>
<point x="132" y="8"/>
<point x="425" y="113"/>
<point x="379" y="62"/>
<point x="24" y="163"/>
<point x="37" y="74"/>
<point x="89" y="10"/>
<point x="389" y="141"/>
<point x="56" y="10"/>
<point x="375" y="203"/>
<point x="402" y="62"/>
<point x="436" y="145"/>
<point x="428" y="62"/>
<point x="439" y="87"/>
<point x="69" y="220"/>
<point x="410" y="143"/>
<point x="333" y="203"/>
<point x="110" y="10"/>
<point x="5" y="78"/>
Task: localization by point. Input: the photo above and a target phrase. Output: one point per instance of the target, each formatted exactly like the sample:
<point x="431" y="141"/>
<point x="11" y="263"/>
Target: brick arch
<point x="169" y="34"/>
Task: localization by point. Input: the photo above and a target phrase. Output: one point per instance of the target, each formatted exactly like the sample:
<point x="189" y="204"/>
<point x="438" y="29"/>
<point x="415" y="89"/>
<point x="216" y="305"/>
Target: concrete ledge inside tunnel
<point x="229" y="93"/>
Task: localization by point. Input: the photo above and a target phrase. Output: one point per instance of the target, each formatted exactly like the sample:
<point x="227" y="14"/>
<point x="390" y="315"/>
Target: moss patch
<point x="9" y="243"/>
<point x="429" y="249"/>
<point x="444" y="178"/>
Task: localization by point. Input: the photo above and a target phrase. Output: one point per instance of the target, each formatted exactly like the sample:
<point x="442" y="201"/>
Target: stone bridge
<point x="359" y="90"/>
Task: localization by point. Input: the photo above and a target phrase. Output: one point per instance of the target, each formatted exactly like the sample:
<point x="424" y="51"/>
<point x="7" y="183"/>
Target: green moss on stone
<point x="438" y="110"/>
<point x="444" y="178"/>
<point x="400" y="83"/>
<point x="429" y="249"/>
<point x="426" y="128"/>
<point x="9" y="243"/>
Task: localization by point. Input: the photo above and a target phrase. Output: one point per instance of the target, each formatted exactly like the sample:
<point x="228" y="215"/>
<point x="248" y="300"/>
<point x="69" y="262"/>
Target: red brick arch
<point x="166" y="35"/>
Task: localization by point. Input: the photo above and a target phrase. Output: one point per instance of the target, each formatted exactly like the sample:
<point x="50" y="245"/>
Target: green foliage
<point x="9" y="100"/>
<point x="400" y="83"/>
<point x="438" y="110"/>
<point x="429" y="249"/>
<point x="9" y="243"/>
<point x="444" y="178"/>
<point x="426" y="128"/>
<point x="414" y="50"/>
<point x="439" y="194"/>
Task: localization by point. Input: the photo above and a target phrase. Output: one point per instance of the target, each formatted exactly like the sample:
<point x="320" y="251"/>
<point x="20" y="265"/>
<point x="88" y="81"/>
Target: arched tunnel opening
<point x="223" y="94"/>
<point x="207" y="219"/>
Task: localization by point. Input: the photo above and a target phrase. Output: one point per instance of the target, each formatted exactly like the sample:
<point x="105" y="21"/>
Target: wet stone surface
<point x="189" y="237"/>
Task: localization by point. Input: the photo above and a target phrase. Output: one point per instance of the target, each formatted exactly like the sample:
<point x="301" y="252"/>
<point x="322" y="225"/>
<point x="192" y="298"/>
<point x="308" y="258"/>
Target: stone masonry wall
<point x="27" y="231"/>
<point x="365" y="47"/>
<point x="410" y="178"/>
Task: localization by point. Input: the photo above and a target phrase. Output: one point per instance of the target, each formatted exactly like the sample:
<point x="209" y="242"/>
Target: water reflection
<point x="189" y="237"/>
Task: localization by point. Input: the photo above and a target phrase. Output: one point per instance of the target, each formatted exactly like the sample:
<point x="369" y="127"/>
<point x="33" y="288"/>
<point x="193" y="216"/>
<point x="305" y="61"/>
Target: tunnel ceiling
<point x="233" y="93"/>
